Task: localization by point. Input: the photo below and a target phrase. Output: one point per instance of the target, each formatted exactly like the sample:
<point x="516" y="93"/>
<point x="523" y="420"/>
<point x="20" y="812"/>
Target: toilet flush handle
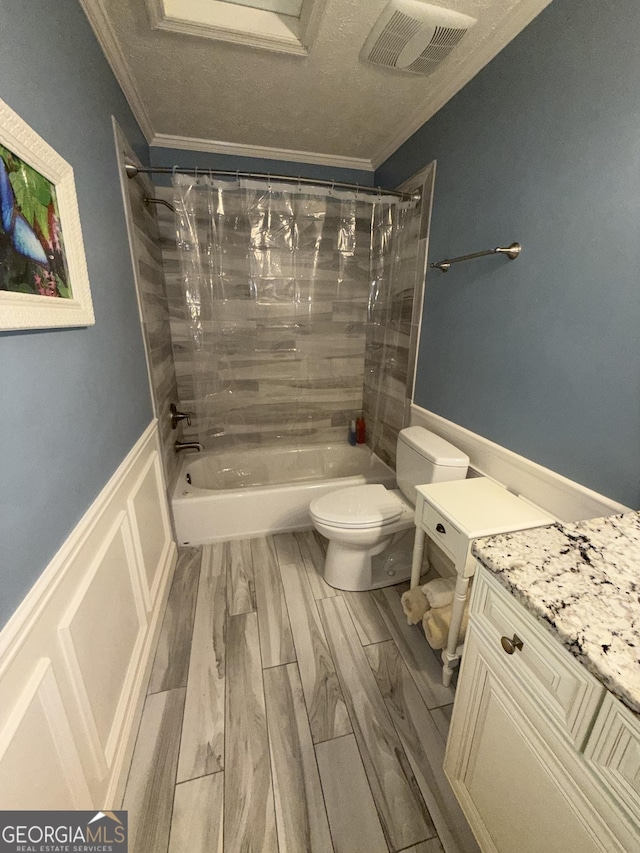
<point x="440" y="528"/>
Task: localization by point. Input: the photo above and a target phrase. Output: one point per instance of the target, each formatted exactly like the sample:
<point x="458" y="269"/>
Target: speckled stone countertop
<point x="583" y="581"/>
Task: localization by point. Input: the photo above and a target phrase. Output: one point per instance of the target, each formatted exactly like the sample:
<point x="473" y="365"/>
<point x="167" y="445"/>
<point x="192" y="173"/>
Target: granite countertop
<point x="583" y="581"/>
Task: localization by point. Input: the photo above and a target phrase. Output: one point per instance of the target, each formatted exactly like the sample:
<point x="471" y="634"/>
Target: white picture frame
<point x="33" y="311"/>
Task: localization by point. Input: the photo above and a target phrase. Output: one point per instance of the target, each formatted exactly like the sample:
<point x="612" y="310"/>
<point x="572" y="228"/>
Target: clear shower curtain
<point x="282" y="287"/>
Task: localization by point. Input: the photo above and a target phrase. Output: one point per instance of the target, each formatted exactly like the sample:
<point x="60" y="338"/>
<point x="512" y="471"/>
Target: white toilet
<point x="370" y="528"/>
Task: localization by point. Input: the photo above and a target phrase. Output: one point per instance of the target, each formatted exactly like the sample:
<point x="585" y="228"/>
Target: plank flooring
<point x="302" y="819"/>
<point x="150" y="787"/>
<point x="202" y="744"/>
<point x="327" y="711"/>
<point x="171" y="662"/>
<point x="241" y="594"/>
<point x="354" y="820"/>
<point x="422" y="742"/>
<point x="198" y="815"/>
<point x="276" y="642"/>
<point x="285" y="716"/>
<point x="249" y="817"/>
<point x="423" y="665"/>
<point x="405" y="820"/>
<point x="368" y="620"/>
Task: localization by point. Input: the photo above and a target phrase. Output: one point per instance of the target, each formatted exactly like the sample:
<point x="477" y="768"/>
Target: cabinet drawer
<point x="565" y="690"/>
<point x="613" y="751"/>
<point x="452" y="541"/>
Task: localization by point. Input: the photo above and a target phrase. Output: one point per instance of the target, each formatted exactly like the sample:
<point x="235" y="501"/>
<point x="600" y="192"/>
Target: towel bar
<point x="511" y="252"/>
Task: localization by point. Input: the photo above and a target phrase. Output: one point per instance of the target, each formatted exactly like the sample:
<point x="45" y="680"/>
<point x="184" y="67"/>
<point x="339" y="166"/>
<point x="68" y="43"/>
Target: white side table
<point x="453" y="514"/>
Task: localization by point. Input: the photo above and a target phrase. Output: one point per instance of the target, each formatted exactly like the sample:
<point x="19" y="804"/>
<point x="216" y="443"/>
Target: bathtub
<point x="242" y="493"/>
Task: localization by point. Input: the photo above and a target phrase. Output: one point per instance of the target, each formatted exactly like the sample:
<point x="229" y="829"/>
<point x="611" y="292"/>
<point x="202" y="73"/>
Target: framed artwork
<point x="43" y="270"/>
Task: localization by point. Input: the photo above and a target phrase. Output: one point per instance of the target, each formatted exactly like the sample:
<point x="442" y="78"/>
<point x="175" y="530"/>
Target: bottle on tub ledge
<point x="352" y="433"/>
<point x="361" y="432"/>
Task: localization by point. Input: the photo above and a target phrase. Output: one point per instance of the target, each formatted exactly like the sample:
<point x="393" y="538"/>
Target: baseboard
<point x="87" y="629"/>
<point x="563" y="498"/>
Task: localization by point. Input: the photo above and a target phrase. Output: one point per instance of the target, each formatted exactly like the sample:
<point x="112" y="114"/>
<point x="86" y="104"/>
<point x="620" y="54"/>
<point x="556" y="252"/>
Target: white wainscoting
<point x="565" y="499"/>
<point x="75" y="656"/>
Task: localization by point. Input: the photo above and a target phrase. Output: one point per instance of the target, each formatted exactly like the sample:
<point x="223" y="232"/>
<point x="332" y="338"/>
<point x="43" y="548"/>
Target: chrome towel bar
<point x="511" y="252"/>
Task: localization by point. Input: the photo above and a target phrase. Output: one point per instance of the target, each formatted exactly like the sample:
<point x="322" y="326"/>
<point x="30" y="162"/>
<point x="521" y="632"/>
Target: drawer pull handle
<point x="440" y="528"/>
<point x="511" y="645"/>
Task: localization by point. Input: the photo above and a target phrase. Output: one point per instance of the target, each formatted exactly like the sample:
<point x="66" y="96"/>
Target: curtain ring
<point x="299" y="184"/>
<point x="333" y="183"/>
<point x="269" y="181"/>
<point x="238" y="177"/>
<point x="357" y="191"/>
<point x="174" y="172"/>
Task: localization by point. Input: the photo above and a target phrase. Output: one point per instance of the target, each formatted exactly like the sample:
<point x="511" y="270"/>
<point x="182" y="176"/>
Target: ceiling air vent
<point x="414" y="36"/>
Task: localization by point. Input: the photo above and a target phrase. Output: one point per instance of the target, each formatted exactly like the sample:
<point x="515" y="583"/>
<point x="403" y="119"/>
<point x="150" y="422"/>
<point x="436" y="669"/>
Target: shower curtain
<point x="292" y="302"/>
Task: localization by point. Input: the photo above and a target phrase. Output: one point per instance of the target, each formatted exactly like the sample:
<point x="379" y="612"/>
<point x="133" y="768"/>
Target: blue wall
<point x="541" y="354"/>
<point x="74" y="401"/>
<point x="203" y="160"/>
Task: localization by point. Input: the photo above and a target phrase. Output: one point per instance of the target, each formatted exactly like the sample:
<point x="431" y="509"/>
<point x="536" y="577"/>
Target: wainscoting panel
<point x="75" y="657"/>
<point x="39" y="761"/>
<point x="563" y="498"/>
<point x="89" y="626"/>
<point x="151" y="527"/>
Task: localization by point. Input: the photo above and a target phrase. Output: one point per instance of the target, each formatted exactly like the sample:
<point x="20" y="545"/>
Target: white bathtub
<point x="222" y="500"/>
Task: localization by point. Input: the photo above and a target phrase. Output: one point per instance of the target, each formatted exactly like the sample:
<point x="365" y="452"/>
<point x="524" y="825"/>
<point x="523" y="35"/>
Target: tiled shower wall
<point x="392" y="335"/>
<point x="299" y="372"/>
<point x="293" y="370"/>
<point x="147" y="258"/>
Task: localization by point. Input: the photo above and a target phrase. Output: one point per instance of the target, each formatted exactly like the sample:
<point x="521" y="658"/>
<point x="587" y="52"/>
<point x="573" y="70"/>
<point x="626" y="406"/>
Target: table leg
<point x="418" y="552"/>
<point x="449" y="655"/>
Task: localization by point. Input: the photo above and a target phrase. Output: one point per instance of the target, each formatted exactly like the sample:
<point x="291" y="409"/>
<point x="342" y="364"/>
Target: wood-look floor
<point x="285" y="715"/>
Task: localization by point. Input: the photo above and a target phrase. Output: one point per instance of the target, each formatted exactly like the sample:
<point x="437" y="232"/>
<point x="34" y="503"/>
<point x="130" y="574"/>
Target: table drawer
<point x="452" y="541"/>
<point x="566" y="691"/>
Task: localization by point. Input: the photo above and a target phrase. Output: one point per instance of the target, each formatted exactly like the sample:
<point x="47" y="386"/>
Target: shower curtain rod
<point x="133" y="170"/>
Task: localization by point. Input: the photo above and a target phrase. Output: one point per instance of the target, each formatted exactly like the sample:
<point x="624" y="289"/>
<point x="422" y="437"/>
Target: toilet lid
<point x="359" y="506"/>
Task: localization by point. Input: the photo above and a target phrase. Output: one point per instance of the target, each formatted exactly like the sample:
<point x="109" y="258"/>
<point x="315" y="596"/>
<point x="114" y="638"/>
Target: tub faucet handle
<point x="177" y="416"/>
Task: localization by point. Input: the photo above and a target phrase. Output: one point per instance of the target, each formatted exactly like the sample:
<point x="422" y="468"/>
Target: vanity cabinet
<point x="541" y="758"/>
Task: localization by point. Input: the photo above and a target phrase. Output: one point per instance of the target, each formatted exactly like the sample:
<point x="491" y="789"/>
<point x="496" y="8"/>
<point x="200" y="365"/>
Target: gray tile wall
<point x="154" y="308"/>
<point x="392" y="338"/>
<point x="295" y="358"/>
<point x="288" y="363"/>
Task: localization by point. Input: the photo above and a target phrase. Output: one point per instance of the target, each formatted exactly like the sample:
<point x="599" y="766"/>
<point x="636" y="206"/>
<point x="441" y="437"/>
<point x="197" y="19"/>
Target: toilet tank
<point x="424" y="457"/>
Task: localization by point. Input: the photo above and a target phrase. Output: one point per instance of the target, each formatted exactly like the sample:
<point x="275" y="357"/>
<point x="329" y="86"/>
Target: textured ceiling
<point x="329" y="102"/>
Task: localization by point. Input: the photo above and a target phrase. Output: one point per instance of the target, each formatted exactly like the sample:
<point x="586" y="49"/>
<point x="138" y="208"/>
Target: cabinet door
<point x="514" y="792"/>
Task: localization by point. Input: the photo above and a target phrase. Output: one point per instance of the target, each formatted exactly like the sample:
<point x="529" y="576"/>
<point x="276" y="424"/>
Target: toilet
<point x="370" y="528"/>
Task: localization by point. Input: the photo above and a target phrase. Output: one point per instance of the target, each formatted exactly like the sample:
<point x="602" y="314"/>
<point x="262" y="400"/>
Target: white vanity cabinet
<point x="541" y="758"/>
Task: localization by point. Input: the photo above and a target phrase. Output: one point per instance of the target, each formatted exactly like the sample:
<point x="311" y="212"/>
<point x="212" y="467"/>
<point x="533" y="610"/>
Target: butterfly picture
<point x="32" y="258"/>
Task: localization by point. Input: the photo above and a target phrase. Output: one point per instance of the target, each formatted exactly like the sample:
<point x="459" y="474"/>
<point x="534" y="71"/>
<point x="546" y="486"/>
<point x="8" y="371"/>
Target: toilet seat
<point x="358" y="507"/>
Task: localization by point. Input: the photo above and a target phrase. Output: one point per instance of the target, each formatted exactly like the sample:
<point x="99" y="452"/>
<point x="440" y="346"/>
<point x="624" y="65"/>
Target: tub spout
<point x="187" y="445"/>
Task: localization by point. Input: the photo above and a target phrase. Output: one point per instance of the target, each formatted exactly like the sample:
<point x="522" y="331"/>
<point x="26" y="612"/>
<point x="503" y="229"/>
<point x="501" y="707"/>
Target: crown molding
<point x="103" y="31"/>
<point x="214" y="146"/>
<point x="513" y="22"/>
<point x="515" y="19"/>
